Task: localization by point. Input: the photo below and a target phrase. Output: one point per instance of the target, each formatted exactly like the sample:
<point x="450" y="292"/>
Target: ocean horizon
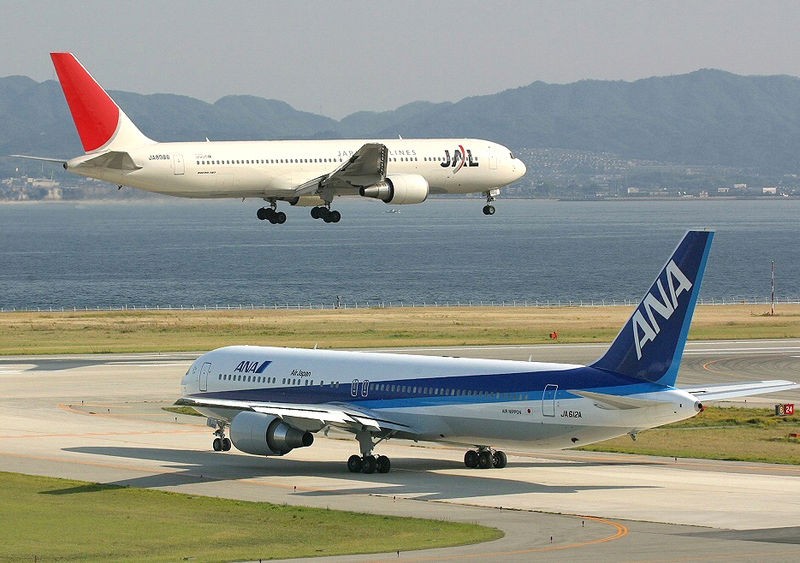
<point x="215" y="253"/>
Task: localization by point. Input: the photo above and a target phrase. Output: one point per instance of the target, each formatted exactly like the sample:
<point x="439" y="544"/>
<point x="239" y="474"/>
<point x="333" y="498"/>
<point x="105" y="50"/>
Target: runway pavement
<point x="99" y="418"/>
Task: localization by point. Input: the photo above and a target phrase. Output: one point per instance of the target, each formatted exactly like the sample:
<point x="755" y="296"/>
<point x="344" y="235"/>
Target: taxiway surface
<point x="99" y="418"/>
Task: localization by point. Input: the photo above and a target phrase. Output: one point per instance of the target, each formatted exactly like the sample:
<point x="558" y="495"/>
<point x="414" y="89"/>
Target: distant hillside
<point x="707" y="117"/>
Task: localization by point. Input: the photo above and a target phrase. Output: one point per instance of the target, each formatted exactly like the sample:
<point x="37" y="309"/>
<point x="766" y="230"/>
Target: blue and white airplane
<point x="275" y="399"/>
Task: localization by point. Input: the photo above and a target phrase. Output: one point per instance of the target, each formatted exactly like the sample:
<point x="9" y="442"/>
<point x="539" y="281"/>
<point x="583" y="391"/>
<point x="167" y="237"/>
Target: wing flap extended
<point x="730" y="390"/>
<point x="366" y="167"/>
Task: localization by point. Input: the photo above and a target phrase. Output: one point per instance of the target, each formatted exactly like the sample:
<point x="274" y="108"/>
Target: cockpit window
<point x="511" y="154"/>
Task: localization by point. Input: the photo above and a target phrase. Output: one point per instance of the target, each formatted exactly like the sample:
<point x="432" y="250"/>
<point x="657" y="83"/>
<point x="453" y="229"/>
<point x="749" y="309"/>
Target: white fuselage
<point x="273" y="169"/>
<point x="455" y="400"/>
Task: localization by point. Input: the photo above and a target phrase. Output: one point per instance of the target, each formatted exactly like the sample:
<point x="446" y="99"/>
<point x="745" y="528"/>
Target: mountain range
<point x="707" y="117"/>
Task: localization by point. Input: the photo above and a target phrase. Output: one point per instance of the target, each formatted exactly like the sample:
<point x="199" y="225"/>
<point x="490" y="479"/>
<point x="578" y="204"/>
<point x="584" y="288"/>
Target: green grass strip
<point x="47" y="518"/>
<point x="723" y="433"/>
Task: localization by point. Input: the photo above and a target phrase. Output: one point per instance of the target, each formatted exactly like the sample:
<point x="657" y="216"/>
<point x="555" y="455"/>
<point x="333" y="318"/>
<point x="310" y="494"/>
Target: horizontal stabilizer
<point x="730" y="390"/>
<point x="114" y="160"/>
<point x="616" y="402"/>
<point x="42" y="158"/>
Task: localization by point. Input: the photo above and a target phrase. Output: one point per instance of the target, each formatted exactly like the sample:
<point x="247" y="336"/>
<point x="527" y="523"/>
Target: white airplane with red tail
<point x="308" y="173"/>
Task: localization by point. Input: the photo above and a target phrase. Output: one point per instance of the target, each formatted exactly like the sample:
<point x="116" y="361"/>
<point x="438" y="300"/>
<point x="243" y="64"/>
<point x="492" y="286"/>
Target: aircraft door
<point x="203" y="377"/>
<point x="549" y="400"/>
<point x="492" y="160"/>
<point x="177" y="162"/>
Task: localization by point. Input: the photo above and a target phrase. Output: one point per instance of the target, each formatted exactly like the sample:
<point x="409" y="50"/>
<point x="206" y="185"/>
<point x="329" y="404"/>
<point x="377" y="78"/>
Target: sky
<point x="335" y="58"/>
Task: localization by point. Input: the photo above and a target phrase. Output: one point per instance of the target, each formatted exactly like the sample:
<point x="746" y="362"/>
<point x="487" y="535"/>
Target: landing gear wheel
<point x="488" y="209"/>
<point x="262" y="213"/>
<point x="471" y="459"/>
<point x="499" y="459"/>
<point x="484" y="459"/>
<point x="326" y="214"/>
<point x="280" y="217"/>
<point x="226" y="444"/>
<point x="354" y="464"/>
<point x="383" y="464"/>
<point x="217" y="445"/>
<point x="370" y="464"/>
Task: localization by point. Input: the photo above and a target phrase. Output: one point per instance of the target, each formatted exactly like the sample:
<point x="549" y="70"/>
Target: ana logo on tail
<point x="646" y="330"/>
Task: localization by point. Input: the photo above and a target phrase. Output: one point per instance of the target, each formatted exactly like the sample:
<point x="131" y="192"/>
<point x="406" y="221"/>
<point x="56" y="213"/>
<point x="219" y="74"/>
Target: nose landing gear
<point x="491" y="196"/>
<point x="221" y="443"/>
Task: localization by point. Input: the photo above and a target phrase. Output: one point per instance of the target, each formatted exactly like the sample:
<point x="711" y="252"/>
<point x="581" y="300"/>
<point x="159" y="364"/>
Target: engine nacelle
<point x="264" y="434"/>
<point x="399" y="189"/>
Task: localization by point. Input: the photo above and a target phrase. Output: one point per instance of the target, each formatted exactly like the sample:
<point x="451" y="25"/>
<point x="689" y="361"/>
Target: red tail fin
<point x="95" y="114"/>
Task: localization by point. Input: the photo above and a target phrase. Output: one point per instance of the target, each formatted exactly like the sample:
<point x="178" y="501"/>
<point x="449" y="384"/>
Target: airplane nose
<point x="519" y="168"/>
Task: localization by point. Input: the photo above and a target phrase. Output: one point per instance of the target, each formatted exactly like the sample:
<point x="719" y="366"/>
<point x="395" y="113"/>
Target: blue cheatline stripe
<point x="263" y="366"/>
<point x="474" y="389"/>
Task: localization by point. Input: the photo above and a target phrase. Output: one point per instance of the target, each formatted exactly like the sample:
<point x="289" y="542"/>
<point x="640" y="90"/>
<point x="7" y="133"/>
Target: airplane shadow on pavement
<point x="410" y="477"/>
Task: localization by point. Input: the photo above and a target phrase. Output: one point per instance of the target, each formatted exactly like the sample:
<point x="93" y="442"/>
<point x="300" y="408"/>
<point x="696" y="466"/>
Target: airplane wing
<point x="341" y="416"/>
<point x="729" y="390"/>
<point x="366" y="167"/>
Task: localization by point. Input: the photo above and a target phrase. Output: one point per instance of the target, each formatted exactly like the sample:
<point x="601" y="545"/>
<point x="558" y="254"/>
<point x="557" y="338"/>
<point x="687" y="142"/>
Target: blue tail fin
<point x="650" y="345"/>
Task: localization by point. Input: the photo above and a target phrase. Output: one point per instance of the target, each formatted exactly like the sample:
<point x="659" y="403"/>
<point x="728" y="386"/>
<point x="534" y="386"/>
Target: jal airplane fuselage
<point x="264" y="169"/>
<point x="309" y="173"/>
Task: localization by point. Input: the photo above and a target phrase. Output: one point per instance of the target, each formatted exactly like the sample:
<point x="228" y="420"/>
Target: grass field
<point x="727" y="433"/>
<point x="55" y="519"/>
<point x="174" y="331"/>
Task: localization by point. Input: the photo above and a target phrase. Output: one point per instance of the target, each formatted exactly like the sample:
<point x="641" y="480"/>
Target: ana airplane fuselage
<point x="455" y="400"/>
<point x="274" y="400"/>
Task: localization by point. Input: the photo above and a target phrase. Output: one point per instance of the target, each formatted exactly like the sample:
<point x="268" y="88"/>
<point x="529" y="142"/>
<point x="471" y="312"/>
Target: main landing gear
<point x="271" y="214"/>
<point x="488" y="209"/>
<point x="485" y="458"/>
<point x="366" y="462"/>
<point x="325" y="213"/>
<point x="220" y="443"/>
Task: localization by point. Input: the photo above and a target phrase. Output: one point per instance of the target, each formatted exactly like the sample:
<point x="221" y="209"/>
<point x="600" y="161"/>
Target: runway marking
<point x="620" y="532"/>
<point x="740" y="351"/>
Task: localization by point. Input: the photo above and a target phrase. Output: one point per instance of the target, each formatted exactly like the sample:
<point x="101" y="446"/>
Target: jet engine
<point x="264" y="434"/>
<point x="399" y="189"/>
